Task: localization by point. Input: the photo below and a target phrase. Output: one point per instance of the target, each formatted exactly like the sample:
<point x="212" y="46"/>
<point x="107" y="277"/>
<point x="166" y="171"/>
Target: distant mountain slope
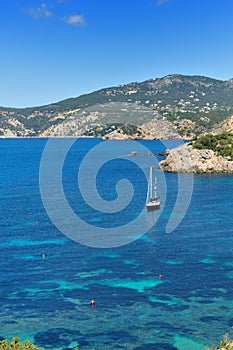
<point x="174" y="105"/>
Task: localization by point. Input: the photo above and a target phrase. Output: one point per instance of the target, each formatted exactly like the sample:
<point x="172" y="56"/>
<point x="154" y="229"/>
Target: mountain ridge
<point x="189" y="105"/>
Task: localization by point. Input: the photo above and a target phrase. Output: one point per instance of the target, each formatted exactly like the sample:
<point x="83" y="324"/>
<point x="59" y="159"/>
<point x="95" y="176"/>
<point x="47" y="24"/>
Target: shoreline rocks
<point x="186" y="159"/>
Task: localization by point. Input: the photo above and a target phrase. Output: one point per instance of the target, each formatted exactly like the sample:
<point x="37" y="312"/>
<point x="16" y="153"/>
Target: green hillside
<point x="221" y="144"/>
<point x="201" y="100"/>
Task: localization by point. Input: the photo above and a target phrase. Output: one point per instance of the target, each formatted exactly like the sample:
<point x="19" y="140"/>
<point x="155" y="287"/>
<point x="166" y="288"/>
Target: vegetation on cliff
<point x="221" y="144"/>
<point x="226" y="343"/>
<point x="127" y="129"/>
<point x="16" y="344"/>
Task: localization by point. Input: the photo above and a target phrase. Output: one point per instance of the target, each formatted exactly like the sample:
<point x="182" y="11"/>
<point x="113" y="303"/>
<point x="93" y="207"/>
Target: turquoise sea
<point x="47" y="280"/>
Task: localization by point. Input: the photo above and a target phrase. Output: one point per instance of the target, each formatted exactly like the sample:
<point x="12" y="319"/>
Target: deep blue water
<point x="48" y="300"/>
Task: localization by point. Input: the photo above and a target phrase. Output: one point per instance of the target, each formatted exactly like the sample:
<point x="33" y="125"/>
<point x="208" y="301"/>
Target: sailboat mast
<point x="149" y="189"/>
<point x="151" y="195"/>
<point x="155" y="192"/>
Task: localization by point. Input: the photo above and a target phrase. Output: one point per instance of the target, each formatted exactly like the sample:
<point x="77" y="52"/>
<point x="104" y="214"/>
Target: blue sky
<point x="56" y="49"/>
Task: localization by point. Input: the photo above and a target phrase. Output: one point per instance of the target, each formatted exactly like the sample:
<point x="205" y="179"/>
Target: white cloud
<point x="75" y="20"/>
<point x="39" y="12"/>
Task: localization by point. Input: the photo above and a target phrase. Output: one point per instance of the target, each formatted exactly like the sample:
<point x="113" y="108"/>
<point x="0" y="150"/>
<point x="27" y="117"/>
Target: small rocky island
<point x="208" y="154"/>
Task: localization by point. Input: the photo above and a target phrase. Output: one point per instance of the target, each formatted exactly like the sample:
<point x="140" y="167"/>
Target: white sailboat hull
<point x="153" y="205"/>
<point x="153" y="201"/>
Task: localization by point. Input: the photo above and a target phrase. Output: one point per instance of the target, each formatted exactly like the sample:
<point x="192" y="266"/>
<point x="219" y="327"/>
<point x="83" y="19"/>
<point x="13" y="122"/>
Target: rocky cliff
<point x="186" y="159"/>
<point x="226" y="125"/>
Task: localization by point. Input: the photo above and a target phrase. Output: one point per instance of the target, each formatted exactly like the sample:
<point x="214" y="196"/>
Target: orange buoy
<point x="160" y="277"/>
<point x="92" y="303"/>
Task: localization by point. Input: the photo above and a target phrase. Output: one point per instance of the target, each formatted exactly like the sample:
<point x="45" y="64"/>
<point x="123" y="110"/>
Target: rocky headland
<point x="186" y="159"/>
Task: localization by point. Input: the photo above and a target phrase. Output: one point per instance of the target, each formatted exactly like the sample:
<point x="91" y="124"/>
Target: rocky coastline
<point x="186" y="159"/>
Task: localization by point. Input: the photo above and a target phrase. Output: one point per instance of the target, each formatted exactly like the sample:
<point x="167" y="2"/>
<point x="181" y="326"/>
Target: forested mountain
<point x="159" y="108"/>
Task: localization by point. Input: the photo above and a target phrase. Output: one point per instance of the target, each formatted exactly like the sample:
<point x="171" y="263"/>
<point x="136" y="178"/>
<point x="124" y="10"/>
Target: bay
<point x="48" y="280"/>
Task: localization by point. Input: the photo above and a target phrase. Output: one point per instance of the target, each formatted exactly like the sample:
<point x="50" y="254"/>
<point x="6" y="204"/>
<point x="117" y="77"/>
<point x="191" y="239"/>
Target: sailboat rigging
<point x="153" y="200"/>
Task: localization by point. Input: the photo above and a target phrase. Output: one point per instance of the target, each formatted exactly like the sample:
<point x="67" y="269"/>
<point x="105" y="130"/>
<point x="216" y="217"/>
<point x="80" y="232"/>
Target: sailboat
<point x="153" y="200"/>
